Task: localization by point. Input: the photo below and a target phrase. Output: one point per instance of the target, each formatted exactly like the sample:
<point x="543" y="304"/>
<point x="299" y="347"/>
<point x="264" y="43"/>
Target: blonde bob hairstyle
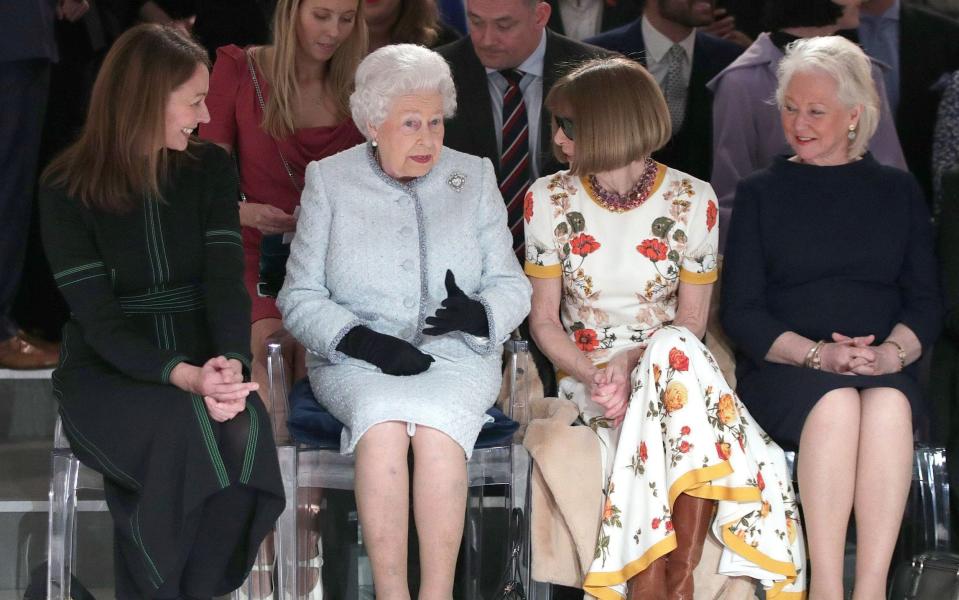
<point x="849" y="67"/>
<point x="278" y="119"/>
<point x="120" y="156"/>
<point x="619" y="112"/>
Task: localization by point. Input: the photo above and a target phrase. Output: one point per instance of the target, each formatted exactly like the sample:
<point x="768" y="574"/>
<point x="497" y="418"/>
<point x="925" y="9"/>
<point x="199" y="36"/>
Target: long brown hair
<point x="115" y="161"/>
<point x="279" y="118"/>
<point x="418" y="23"/>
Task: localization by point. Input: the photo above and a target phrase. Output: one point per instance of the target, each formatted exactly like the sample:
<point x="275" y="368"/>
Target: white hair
<point x="398" y="70"/>
<point x="849" y="67"/>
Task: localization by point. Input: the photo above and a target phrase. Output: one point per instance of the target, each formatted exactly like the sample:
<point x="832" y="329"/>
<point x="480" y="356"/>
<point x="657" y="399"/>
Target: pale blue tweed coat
<point x="372" y="251"/>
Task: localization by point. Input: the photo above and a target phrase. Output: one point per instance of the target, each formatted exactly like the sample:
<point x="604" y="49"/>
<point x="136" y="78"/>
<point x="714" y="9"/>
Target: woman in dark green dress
<point x="141" y="228"/>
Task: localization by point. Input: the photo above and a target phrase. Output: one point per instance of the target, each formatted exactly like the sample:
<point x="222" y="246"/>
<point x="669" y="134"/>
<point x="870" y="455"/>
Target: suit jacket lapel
<point x="475" y="100"/>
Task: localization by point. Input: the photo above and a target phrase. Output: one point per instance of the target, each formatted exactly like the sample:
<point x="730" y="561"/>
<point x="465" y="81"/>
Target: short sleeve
<point x="699" y="264"/>
<point x="228" y="71"/>
<point x="542" y="256"/>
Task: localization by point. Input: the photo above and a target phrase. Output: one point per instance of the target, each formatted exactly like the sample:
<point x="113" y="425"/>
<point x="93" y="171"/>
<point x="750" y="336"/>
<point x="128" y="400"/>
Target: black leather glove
<point x="459" y="313"/>
<point x="391" y="354"/>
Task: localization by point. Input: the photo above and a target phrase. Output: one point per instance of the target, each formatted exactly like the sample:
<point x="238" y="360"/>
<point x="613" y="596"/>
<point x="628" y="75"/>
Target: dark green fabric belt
<point x="184" y="298"/>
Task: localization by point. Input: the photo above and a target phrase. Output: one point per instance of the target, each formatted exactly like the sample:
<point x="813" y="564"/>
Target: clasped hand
<point x="857" y="356"/>
<point x="220" y="382"/>
<point x="610" y="387"/>
<point x="459" y="312"/>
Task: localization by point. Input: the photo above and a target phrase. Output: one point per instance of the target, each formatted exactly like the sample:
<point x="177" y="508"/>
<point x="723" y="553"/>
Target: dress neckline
<point x="596" y="195"/>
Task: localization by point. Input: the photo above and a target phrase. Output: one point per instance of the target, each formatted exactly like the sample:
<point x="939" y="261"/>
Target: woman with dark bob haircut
<point x="140" y="225"/>
<point x="746" y="131"/>
<point x="621" y="253"/>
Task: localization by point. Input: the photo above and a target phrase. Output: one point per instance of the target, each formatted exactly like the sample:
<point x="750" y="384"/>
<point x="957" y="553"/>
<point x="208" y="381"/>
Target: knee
<point x="673" y="336"/>
<point x="386" y="442"/>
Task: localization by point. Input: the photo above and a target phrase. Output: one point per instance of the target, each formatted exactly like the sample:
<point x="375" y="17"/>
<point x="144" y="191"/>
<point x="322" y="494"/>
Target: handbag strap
<point x="259" y="98"/>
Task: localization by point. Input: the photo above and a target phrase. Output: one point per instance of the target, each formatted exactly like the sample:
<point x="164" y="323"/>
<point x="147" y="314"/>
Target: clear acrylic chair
<point x="506" y="465"/>
<point x="68" y="476"/>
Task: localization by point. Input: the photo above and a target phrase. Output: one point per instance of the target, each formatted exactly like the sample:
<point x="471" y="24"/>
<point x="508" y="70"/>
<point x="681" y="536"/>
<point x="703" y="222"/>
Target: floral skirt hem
<point x="685" y="431"/>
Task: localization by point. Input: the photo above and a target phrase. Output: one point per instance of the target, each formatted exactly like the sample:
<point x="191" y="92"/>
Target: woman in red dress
<point x="304" y="80"/>
<point x="277" y="108"/>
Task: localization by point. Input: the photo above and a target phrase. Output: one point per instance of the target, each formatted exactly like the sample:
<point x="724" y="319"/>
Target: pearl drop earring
<point x="852" y="133"/>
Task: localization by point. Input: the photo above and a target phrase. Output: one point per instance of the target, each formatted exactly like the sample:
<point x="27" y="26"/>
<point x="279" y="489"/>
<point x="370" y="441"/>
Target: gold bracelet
<point x="813" y="357"/>
<point x="900" y="351"/>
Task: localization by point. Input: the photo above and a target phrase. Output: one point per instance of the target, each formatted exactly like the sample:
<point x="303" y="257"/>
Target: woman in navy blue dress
<point x="830" y="294"/>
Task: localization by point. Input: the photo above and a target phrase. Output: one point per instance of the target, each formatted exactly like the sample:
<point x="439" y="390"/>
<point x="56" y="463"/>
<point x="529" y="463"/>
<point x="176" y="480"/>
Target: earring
<point x="374" y="143"/>
<point x="852" y="133"/>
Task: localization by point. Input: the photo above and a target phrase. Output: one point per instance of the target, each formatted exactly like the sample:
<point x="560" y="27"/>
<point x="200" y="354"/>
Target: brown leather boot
<point x="691" y="519"/>
<point x="650" y="583"/>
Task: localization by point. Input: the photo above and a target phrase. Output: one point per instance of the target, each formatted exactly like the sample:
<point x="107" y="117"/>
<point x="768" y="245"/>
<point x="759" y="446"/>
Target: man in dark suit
<point x="508" y="63"/>
<point x="664" y="39"/>
<point x="507" y="35"/>
<point x="591" y="17"/>
<point x="27" y="49"/>
<point x="919" y="46"/>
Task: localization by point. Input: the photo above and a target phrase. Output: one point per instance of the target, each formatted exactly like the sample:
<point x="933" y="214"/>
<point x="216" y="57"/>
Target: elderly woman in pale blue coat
<point x="403" y="286"/>
<point x="747" y="133"/>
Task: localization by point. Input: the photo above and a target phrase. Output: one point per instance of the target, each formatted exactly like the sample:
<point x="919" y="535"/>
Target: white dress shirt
<point x="657" y="45"/>
<point x="581" y="18"/>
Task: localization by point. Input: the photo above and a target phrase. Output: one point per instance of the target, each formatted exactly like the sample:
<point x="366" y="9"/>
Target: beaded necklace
<point x="635" y="197"/>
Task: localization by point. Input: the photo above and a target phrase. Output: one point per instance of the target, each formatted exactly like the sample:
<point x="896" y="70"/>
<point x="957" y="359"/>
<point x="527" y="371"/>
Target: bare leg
<point x="382" y="501"/>
<point x="827" y="472"/>
<point x="439" y="508"/>
<point x="883" y="477"/>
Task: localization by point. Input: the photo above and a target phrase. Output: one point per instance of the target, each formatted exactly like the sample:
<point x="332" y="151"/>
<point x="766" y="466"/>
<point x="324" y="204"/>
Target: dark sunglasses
<point x="566" y="125"/>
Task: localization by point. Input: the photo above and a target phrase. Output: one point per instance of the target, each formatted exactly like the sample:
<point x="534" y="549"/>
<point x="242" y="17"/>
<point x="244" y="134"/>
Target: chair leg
<point x="61" y="525"/>
<point x="287" y="587"/>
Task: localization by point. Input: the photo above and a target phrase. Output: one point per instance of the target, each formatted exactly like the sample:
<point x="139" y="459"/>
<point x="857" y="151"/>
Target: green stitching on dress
<point x="227" y="243"/>
<point x="92" y="265"/>
<point x="105" y="462"/>
<point x="229" y="232"/>
<point x="147" y="237"/>
<point x="162" y="248"/>
<point x="250" y="445"/>
<point x="63" y="285"/>
<point x="239" y="357"/>
<point x="200" y="409"/>
<point x="154" y="574"/>
<point x="168" y="368"/>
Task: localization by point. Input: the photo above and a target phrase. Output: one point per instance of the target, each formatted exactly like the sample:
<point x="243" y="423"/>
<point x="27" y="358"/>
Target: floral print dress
<point x="685" y="430"/>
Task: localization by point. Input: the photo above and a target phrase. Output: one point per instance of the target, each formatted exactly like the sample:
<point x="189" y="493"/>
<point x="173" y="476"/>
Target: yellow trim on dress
<point x="698" y="278"/>
<point x="740" y="547"/>
<point x="591" y="193"/>
<point x="598" y="583"/>
<point x="543" y="272"/>
<point x="696" y="483"/>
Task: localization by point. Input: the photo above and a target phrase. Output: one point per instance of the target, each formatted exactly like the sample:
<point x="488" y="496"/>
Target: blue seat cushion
<point x="312" y="425"/>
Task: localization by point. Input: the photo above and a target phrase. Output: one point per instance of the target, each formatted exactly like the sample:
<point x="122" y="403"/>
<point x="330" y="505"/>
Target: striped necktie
<point x="514" y="164"/>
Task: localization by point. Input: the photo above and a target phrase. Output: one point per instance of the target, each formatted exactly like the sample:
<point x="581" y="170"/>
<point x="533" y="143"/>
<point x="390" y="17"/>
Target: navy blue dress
<point x="817" y="250"/>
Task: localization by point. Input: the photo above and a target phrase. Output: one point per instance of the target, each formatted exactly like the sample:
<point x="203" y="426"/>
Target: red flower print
<point x="760" y="482"/>
<point x="677" y="360"/>
<point x="711" y="213"/>
<point x="585" y="339"/>
<point x="655" y="523"/>
<point x="685" y="430"/>
<point x="584" y="244"/>
<point x="669" y="525"/>
<point x="653" y="249"/>
<point x="684" y="447"/>
<point x="643" y="454"/>
<point x="742" y="443"/>
<point x="528" y="206"/>
<point x="723" y="450"/>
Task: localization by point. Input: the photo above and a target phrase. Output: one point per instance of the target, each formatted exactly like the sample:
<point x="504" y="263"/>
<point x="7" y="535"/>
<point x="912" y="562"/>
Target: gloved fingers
<point x="438" y="330"/>
<point x="452" y="290"/>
